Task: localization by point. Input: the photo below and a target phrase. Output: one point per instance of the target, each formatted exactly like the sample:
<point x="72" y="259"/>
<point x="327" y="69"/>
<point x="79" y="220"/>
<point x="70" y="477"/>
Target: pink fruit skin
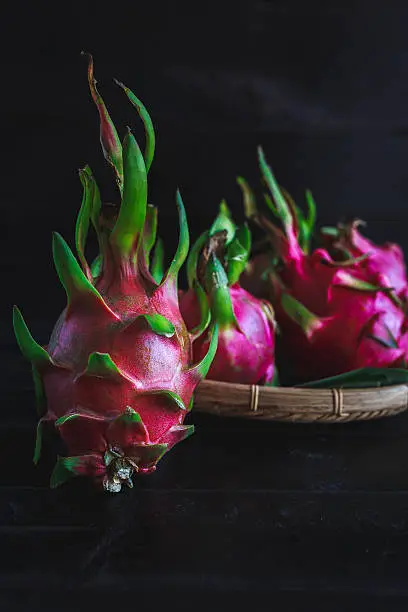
<point x="244" y="356"/>
<point x="148" y="361"/>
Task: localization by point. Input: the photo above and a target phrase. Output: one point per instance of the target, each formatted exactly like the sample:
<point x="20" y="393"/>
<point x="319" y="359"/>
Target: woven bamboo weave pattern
<point x="300" y="405"/>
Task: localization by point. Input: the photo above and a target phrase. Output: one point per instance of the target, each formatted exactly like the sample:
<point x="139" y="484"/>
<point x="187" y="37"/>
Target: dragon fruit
<point x="246" y="324"/>
<point x="335" y="315"/>
<point x="384" y="264"/>
<point x="116" y="379"/>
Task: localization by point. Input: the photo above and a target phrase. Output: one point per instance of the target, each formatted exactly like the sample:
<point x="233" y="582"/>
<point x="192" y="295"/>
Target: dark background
<point x="301" y="517"/>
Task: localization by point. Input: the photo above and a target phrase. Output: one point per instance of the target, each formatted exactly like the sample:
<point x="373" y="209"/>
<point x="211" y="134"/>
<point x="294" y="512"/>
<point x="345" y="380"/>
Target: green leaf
<point x="311" y="216"/>
<point x="150" y="454"/>
<point x="183" y="243"/>
<point x="67" y="417"/>
<point x="250" y="208"/>
<point x="157" y="265"/>
<point x="127" y="428"/>
<point x="130" y="417"/>
<point x="160" y="325"/>
<point x="82" y="224"/>
<point x="237" y="254"/>
<point x="271" y="205"/>
<point x="173" y="397"/>
<point x="217" y="288"/>
<point x="200" y="370"/>
<point x="38" y="442"/>
<point x="30" y="349"/>
<point x="74" y="281"/>
<point x="308" y="321"/>
<point x="361" y="378"/>
<point x="127" y="232"/>
<point x="96" y="267"/>
<point x="102" y="366"/>
<point x="205" y="313"/>
<point x="193" y="258"/>
<point x="95" y="209"/>
<point x="280" y="202"/>
<point x="223" y="223"/>
<point x="149" y="230"/>
<point x="145" y="117"/>
<point x="344" y="279"/>
<point x="64" y="469"/>
<point x="81" y="465"/>
<point x="330" y="231"/>
<point x="110" y="141"/>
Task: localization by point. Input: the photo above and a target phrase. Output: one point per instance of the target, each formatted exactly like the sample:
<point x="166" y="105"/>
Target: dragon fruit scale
<point x="246" y="324"/>
<point x="335" y="314"/>
<point x="117" y="377"/>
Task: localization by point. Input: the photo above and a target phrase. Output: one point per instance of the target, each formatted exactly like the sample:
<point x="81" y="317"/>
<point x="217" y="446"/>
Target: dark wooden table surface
<point x="294" y="517"/>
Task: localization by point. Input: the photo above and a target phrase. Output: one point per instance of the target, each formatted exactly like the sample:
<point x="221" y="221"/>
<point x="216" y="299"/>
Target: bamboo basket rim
<point x="301" y="405"/>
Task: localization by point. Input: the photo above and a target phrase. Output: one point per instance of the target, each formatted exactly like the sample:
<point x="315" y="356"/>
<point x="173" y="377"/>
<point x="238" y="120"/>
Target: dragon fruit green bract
<point x="117" y="378"/>
<point x="246" y="324"/>
<point x="334" y="315"/>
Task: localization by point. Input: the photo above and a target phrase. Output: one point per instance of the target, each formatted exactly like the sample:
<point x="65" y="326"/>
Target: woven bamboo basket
<point x="300" y="405"/>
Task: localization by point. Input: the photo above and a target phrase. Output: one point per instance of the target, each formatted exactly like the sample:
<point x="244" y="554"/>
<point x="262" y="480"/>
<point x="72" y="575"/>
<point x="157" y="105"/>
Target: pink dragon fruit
<point x="334" y="315"/>
<point x="246" y="324"/>
<point x="384" y="264"/>
<point x="117" y="377"/>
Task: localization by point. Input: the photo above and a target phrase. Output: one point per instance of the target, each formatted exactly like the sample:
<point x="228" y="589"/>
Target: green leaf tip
<point x="308" y="321"/>
<point x="160" y="325"/>
<point x="193" y="258"/>
<point x="330" y="231"/>
<point x="205" y="313"/>
<point x="102" y="365"/>
<point x="67" y="417"/>
<point x="96" y="266"/>
<point x="157" y="265"/>
<point x="279" y="200"/>
<point x="347" y="280"/>
<point x="175" y="399"/>
<point x="183" y="243"/>
<point x="238" y="252"/>
<point x="150" y="230"/>
<point x="224" y="223"/>
<point x="216" y="284"/>
<point x="129" y="225"/>
<point x="361" y="379"/>
<point x="312" y="210"/>
<point x="81" y="465"/>
<point x="82" y="223"/>
<point x="30" y="349"/>
<point x="202" y="368"/>
<point x="38" y="442"/>
<point x="147" y="121"/>
<point x="111" y="146"/>
<point x="250" y="208"/>
<point x="74" y="281"/>
<point x="64" y="469"/>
